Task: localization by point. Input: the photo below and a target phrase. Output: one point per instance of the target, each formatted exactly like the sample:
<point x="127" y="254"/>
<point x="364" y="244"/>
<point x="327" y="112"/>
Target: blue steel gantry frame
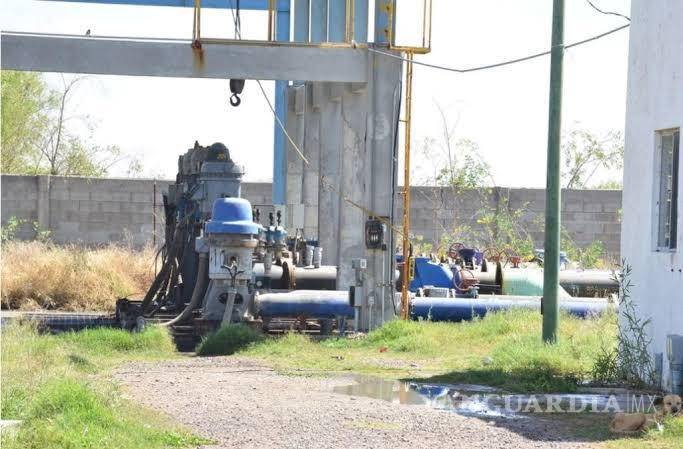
<point x="327" y="24"/>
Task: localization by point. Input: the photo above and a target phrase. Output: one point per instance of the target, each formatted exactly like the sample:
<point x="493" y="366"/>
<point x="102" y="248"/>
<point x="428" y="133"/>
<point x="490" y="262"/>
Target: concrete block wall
<point x="587" y="215"/>
<point x="95" y="211"/>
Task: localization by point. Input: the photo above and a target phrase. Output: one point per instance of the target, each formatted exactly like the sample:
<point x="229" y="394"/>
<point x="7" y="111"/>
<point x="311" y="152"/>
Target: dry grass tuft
<point x="39" y="275"/>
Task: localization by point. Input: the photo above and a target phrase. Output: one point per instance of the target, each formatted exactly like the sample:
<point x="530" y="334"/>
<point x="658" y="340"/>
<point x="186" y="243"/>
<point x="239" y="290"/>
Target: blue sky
<point x="503" y="110"/>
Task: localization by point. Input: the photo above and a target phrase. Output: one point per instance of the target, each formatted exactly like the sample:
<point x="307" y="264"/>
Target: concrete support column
<point x="384" y="94"/>
<point x="330" y="170"/>
<point x="296" y="100"/>
<point x="353" y="182"/>
<point x="43" y="182"/>
<point x="311" y="171"/>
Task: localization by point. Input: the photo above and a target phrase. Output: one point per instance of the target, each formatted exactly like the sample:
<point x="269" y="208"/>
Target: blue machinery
<point x="335" y="71"/>
<point x="213" y="267"/>
<point x="220" y="265"/>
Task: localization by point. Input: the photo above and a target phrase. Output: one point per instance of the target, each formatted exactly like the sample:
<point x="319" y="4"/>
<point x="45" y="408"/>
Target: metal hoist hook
<point x="236" y="88"/>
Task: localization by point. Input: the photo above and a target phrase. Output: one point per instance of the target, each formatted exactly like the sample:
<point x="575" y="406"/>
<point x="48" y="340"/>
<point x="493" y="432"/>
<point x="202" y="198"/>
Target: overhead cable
<point x="609" y="13"/>
<point x="498" y="64"/>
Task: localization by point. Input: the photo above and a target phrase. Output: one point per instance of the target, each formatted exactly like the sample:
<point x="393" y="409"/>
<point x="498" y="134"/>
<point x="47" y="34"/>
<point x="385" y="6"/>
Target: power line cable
<point x="609" y="13"/>
<point x="499" y="64"/>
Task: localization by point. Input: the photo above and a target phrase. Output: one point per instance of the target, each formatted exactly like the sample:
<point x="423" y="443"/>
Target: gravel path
<point x="243" y="403"/>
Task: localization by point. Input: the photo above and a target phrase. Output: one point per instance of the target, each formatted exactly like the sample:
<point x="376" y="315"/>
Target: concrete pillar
<point x="311" y="171"/>
<point x="43" y="182"/>
<point x="353" y="183"/>
<point x="384" y="94"/>
<point x="330" y="171"/>
<point x="296" y="100"/>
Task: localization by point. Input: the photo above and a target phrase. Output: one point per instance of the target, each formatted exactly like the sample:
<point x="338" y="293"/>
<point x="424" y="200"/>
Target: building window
<point x="668" y="144"/>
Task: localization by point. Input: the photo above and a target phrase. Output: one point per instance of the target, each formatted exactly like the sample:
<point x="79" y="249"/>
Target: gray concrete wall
<point x="587" y="215"/>
<point x="96" y="211"/>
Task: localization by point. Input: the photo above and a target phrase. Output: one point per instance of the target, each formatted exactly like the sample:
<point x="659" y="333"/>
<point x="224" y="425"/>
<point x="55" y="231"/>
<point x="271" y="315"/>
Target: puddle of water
<point x="483" y="401"/>
<point x="462" y="398"/>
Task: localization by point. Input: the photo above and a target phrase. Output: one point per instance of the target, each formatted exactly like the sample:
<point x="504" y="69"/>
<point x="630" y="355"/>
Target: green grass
<point x="228" y="340"/>
<point x="59" y="386"/>
<point x="503" y="349"/>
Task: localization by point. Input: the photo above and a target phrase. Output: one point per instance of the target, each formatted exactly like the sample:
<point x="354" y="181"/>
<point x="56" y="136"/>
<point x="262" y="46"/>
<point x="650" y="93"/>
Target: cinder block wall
<point x="95" y="211"/>
<point x="587" y="215"/>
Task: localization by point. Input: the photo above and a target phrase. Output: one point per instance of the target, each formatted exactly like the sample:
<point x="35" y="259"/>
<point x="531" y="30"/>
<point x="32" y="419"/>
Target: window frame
<point x="675" y="134"/>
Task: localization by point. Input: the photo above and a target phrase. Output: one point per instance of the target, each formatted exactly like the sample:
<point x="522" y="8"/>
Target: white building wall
<point x="655" y="102"/>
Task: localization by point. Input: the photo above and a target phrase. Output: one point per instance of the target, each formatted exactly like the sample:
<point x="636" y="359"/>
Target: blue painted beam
<point x="279" y="144"/>
<point x="337" y="20"/>
<point x="319" y="21"/>
<point x="301" y="9"/>
<point x="360" y="21"/>
<point x="258" y="5"/>
<point x="383" y="9"/>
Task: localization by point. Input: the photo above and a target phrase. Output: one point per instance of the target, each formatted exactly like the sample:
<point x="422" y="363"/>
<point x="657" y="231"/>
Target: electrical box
<point x="375" y="232"/>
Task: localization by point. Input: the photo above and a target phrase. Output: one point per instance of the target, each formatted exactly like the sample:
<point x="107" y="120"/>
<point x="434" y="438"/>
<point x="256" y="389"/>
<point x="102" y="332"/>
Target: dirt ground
<point x="242" y="403"/>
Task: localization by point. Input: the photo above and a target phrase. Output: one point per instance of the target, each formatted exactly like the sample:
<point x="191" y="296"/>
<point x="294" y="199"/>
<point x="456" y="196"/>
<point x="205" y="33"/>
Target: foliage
<point x="609" y="185"/>
<point x="502" y="349"/>
<point x="228" y="340"/>
<point x="44" y="275"/>
<point x="25" y="102"/>
<point x="465" y="169"/>
<point x="636" y="366"/>
<point x="627" y="360"/>
<point x="593" y="256"/>
<point x="584" y="154"/>
<point x="454" y="162"/>
<point x="42" y="135"/>
<point x="52" y="383"/>
<point x="10" y="228"/>
<point x="504" y="229"/>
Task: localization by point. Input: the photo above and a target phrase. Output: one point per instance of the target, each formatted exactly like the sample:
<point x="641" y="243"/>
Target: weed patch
<point x="57" y="385"/>
<point x="502" y="349"/>
<point x="228" y="340"/>
<point x="42" y="275"/>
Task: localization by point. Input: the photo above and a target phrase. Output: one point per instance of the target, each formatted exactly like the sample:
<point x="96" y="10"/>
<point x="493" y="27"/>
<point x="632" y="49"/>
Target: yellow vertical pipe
<point x="405" y="295"/>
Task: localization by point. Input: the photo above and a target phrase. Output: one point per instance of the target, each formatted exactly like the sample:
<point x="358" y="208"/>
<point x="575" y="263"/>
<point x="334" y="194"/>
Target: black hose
<point x="197" y="293"/>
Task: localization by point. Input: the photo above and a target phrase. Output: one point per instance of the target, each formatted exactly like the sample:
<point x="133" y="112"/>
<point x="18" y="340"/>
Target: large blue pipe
<point x="305" y="303"/>
<point x="335" y="303"/>
<point x="464" y="309"/>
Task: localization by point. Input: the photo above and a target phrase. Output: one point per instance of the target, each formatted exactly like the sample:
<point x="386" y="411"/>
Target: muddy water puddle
<point x="484" y="401"/>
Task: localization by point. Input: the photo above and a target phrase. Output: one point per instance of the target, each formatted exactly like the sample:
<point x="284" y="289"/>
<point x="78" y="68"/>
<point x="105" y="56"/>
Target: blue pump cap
<point x="232" y="216"/>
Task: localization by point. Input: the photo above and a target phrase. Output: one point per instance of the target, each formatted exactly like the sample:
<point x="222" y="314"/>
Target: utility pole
<point x="551" y="256"/>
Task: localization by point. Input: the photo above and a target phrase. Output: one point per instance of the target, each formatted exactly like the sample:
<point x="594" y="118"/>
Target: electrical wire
<point x="608" y="13"/>
<point x="323" y="181"/>
<point x="503" y="63"/>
